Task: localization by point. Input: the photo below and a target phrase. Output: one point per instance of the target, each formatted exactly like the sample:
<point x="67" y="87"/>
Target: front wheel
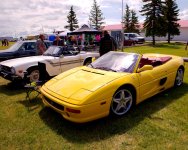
<point x="179" y="77"/>
<point x="122" y="102"/>
<point x="87" y="62"/>
<point x="34" y="75"/>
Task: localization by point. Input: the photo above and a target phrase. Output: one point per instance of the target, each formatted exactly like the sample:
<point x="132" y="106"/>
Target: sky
<point x="29" y="17"/>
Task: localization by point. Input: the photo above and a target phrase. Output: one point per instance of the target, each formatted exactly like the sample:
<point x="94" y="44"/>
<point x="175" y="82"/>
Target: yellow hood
<point x="85" y="80"/>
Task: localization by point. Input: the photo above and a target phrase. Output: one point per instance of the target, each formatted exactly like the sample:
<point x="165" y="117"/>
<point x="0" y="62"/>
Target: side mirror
<point x="144" y="68"/>
<point x="61" y="56"/>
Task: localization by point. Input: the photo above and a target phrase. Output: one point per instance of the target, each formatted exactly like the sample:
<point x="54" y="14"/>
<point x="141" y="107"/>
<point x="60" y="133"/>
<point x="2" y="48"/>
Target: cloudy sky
<point x="28" y="17"/>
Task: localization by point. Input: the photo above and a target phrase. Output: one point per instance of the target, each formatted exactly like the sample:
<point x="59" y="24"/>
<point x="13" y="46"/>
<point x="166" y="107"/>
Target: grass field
<point x="160" y="122"/>
<point x="5" y="47"/>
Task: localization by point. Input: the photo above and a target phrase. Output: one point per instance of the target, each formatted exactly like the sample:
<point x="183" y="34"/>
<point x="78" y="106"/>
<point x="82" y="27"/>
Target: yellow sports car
<point x="111" y="84"/>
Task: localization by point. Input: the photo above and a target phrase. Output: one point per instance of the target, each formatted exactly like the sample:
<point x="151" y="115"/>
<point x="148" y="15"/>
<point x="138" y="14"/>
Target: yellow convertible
<point x="111" y="84"/>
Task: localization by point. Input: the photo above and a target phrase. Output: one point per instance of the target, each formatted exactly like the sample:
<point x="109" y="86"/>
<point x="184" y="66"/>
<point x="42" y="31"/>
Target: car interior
<point x="154" y="61"/>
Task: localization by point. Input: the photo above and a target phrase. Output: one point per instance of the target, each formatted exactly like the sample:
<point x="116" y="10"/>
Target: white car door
<point x="69" y="60"/>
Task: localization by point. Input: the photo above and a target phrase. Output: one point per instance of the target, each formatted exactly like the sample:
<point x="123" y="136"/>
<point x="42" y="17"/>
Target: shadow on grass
<point x="109" y="126"/>
<point x="32" y="104"/>
<point x="11" y="88"/>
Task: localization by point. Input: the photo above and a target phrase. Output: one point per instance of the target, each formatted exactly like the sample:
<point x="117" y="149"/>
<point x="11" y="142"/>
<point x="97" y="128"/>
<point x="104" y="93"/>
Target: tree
<point x="72" y="21"/>
<point x="95" y="18"/>
<point x="127" y="20"/>
<point x="134" y="26"/>
<point x="155" y="21"/>
<point x="130" y="21"/>
<point x="171" y="15"/>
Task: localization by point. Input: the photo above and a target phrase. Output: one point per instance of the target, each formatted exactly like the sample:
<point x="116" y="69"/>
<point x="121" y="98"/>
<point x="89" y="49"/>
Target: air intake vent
<point x="54" y="104"/>
<point x="93" y="72"/>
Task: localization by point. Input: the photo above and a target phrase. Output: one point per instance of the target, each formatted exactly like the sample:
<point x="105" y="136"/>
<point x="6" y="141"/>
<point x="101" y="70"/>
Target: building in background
<point x="115" y="30"/>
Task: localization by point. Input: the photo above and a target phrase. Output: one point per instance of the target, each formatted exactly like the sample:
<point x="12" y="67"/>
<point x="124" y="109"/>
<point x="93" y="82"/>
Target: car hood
<point x="81" y="83"/>
<point x="24" y="60"/>
<point x="6" y="52"/>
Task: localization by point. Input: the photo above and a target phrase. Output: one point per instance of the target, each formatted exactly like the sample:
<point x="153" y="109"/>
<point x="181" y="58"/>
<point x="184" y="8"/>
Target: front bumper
<point x="9" y="76"/>
<point x="87" y="112"/>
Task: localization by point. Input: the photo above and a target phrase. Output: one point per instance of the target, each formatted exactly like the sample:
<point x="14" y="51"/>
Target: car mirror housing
<point x="144" y="68"/>
<point x="61" y="56"/>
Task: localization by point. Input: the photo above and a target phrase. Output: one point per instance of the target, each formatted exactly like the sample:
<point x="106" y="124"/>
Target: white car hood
<point x="19" y="61"/>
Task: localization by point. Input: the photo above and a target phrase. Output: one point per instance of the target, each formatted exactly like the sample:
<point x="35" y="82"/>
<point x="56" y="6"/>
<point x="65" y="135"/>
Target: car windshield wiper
<point x="105" y="68"/>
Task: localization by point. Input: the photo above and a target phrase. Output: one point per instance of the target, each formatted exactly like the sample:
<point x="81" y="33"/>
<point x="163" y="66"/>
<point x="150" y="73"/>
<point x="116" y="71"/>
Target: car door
<point x="27" y="49"/>
<point x="69" y="60"/>
<point x="151" y="82"/>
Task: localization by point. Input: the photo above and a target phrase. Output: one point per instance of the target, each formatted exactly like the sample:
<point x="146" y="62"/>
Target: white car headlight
<point x="13" y="71"/>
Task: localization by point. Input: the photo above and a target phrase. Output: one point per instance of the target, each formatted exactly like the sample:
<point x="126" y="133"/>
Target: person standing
<point x="41" y="47"/>
<point x="107" y="43"/>
<point x="58" y="41"/>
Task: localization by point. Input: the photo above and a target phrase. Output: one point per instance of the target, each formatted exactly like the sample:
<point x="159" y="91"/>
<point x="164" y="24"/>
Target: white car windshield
<point x="52" y="51"/>
<point x="15" y="47"/>
<point x="116" y="61"/>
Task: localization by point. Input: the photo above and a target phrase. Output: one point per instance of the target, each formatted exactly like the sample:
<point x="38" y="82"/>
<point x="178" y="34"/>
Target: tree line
<point x="161" y="18"/>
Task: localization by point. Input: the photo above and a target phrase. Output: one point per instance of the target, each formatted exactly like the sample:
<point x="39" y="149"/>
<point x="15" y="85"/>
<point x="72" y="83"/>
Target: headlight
<point x="12" y="70"/>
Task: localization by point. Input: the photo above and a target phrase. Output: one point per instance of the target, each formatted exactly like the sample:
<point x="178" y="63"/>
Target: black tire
<point x="179" y="77"/>
<point x="122" y="101"/>
<point x="87" y="62"/>
<point x="33" y="74"/>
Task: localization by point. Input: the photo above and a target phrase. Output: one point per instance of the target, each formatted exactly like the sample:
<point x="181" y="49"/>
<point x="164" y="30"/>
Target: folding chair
<point x="33" y="88"/>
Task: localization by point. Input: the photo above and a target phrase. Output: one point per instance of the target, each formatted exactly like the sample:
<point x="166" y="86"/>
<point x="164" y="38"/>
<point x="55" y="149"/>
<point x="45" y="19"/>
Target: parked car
<point x="21" y="49"/>
<point x="113" y="83"/>
<point x="128" y="41"/>
<point x="135" y="37"/>
<point x="57" y="59"/>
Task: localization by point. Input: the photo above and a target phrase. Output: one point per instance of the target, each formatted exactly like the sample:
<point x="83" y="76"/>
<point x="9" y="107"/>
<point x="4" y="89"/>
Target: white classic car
<point x="57" y="59"/>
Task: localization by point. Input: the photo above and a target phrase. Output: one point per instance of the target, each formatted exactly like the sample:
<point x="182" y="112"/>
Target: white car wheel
<point x="179" y="77"/>
<point x="34" y="75"/>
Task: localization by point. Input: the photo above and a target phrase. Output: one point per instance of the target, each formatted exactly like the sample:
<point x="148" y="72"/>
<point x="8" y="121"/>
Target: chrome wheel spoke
<point x="117" y="100"/>
<point x="122" y="102"/>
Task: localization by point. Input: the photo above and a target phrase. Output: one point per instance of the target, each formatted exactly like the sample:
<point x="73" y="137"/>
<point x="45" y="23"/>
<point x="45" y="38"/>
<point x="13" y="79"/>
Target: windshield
<point x="15" y="47"/>
<point x="116" y="62"/>
<point x="52" y="51"/>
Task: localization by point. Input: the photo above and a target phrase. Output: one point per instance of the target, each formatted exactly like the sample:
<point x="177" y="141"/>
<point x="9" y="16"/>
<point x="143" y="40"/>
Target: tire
<point x="33" y="74"/>
<point x="179" y="77"/>
<point x="87" y="62"/>
<point x="122" y="101"/>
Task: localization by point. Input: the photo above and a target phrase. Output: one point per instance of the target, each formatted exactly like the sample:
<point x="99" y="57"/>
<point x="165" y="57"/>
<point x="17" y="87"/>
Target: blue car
<point x="21" y="49"/>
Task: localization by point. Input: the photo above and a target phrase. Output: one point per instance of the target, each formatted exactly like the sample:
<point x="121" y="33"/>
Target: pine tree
<point x="171" y="15"/>
<point x="130" y="21"/>
<point x="95" y="18"/>
<point x="127" y="20"/>
<point x="155" y="21"/>
<point x="134" y="25"/>
<point x="72" y="21"/>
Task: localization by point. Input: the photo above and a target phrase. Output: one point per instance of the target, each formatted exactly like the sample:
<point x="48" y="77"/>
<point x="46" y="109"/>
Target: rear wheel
<point x="179" y="77"/>
<point x="122" y="101"/>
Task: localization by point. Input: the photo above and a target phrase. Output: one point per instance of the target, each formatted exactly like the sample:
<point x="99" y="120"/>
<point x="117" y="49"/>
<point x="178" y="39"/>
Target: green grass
<point x="5" y="47"/>
<point x="160" y="122"/>
<point x="161" y="48"/>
